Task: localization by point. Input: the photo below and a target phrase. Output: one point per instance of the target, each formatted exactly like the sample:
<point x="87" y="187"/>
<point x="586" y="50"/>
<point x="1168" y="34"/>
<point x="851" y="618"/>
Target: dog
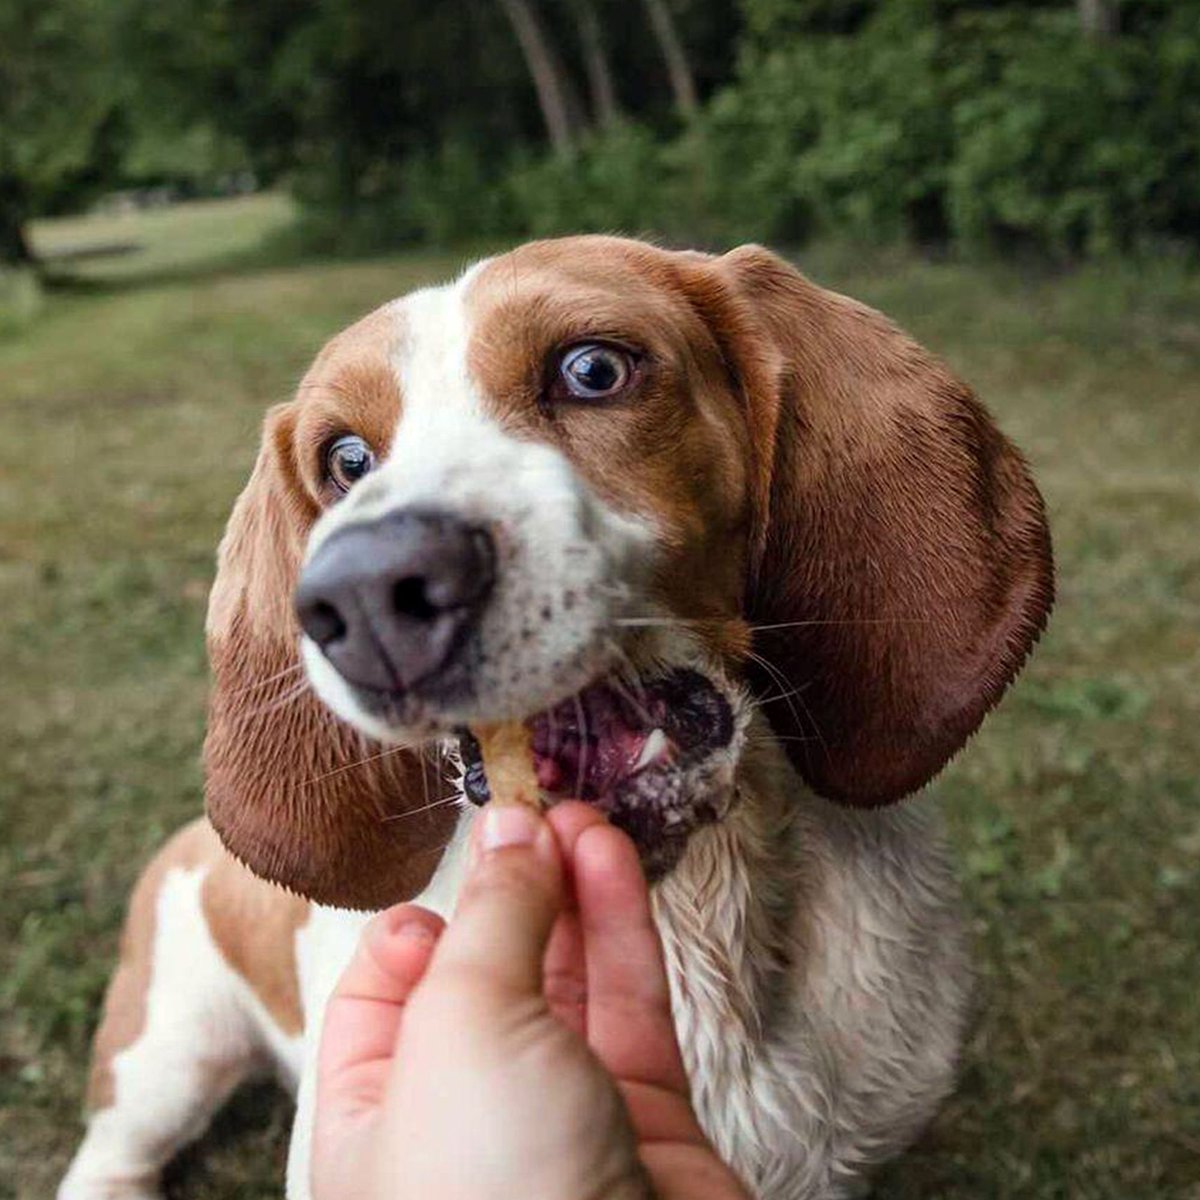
<point x="752" y="566"/>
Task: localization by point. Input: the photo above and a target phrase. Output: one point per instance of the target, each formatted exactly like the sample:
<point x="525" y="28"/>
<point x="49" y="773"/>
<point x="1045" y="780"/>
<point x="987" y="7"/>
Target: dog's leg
<point x="175" y="1039"/>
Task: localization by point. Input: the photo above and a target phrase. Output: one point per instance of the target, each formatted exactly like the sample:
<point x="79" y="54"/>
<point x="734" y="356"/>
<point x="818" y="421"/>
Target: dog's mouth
<point x="653" y="755"/>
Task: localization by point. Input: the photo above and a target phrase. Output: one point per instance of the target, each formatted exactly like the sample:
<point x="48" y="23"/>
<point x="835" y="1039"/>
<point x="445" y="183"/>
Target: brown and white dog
<point x="752" y="564"/>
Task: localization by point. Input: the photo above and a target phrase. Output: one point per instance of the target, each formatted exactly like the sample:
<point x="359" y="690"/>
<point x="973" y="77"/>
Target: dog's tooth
<point x="652" y="747"/>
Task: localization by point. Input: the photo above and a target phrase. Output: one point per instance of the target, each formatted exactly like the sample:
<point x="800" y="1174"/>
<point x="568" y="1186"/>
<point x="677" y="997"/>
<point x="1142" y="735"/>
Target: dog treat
<point x="507" y="750"/>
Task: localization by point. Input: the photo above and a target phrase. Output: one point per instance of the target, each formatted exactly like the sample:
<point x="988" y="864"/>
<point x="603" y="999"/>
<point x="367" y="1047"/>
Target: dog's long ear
<point x="902" y="569"/>
<point x="299" y="797"/>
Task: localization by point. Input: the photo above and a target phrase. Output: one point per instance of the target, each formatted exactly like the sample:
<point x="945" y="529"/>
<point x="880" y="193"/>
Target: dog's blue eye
<point x="347" y="460"/>
<point x="593" y="371"/>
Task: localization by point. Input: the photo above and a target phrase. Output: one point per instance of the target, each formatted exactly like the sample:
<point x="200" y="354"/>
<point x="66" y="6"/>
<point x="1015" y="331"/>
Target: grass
<point x="132" y="404"/>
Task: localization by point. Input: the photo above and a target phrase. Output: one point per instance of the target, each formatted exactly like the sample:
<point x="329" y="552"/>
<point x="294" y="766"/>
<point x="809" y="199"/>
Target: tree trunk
<point x="605" y="108"/>
<point x="678" y="68"/>
<point x="553" y="91"/>
<point x="15" y="250"/>
<point x="1098" y="18"/>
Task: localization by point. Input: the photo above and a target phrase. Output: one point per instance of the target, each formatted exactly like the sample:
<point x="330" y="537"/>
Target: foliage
<point x="59" y="134"/>
<point x="990" y="126"/>
<point x="611" y="184"/>
<point x="986" y="124"/>
<point x="1076" y="144"/>
<point x="379" y="111"/>
<point x="986" y="127"/>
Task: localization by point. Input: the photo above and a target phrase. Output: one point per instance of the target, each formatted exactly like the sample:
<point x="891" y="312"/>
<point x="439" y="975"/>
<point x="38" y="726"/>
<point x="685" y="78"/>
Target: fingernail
<point x="414" y="931"/>
<point x="396" y="923"/>
<point x="509" y="825"/>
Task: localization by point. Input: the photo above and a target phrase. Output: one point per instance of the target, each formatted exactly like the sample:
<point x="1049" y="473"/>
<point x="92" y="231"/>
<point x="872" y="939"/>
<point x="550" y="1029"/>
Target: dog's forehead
<point x="525" y="300"/>
<point x="590" y="260"/>
<point x="595" y="279"/>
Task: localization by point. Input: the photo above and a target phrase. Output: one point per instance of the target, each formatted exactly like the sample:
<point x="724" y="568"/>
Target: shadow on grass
<point x="252" y="1128"/>
<point x="261" y="258"/>
<point x="287" y="248"/>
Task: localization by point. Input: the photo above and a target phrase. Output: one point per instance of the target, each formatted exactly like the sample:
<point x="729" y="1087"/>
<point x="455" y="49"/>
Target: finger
<point x="507" y="908"/>
<point x="362" y="1019"/>
<point x="629" y="1021"/>
<point x="568" y="819"/>
<point x="564" y="974"/>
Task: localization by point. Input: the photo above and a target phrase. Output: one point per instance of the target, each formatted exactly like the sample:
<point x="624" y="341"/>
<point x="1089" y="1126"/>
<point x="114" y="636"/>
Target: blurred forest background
<point x="195" y="194"/>
<point x="1050" y="126"/>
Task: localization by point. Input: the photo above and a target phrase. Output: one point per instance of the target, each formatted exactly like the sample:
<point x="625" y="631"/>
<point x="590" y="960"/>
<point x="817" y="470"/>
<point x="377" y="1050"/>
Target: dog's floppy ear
<point x="902" y="569"/>
<point x="299" y="797"/>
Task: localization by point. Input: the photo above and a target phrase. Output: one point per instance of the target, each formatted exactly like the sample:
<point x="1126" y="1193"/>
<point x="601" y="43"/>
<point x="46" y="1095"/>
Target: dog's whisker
<point x="633" y="679"/>
<point x="387" y="752"/>
<point x="781" y="681"/>
<point x="652" y="622"/>
<point x="842" y="621"/>
<point x="810" y="716"/>
<point x="581" y="771"/>
<point x="424" y="808"/>
<point x="425" y="780"/>
<point x="671" y="622"/>
<point x="279" y="702"/>
<point x="262" y="683"/>
<point x="442" y="761"/>
<point x="637" y="705"/>
<point x="790" y="694"/>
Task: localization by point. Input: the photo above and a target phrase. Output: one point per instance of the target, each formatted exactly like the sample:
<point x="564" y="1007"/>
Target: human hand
<point x="524" y="1052"/>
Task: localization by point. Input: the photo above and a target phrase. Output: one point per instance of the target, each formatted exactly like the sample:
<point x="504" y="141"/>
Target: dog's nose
<point x="391" y="600"/>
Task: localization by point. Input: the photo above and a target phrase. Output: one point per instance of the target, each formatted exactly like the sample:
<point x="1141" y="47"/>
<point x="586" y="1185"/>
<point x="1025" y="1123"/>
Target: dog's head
<point x="611" y="490"/>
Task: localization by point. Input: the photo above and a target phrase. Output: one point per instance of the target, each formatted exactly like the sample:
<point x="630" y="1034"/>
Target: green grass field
<point x="131" y="403"/>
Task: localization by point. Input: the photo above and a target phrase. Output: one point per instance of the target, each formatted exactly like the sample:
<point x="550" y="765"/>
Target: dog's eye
<point x="593" y="371"/>
<point x="347" y="460"/>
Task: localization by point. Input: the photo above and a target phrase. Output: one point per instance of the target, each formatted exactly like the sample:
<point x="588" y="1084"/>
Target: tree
<point x="58" y="96"/>
<point x="1097" y="17"/>
<point x="683" y="83"/>
<point x="601" y="86"/>
<point x="335" y="96"/>
<point x="549" y="79"/>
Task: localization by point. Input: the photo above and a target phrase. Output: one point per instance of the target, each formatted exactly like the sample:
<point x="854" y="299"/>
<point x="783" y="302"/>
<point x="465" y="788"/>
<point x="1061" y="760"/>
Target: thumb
<point x="508" y="905"/>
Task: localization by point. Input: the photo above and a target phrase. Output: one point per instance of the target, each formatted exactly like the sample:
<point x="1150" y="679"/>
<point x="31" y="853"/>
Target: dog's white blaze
<point x="447" y="450"/>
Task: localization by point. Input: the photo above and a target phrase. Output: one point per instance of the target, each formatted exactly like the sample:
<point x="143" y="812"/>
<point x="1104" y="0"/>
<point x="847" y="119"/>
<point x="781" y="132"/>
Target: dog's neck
<point x="726" y="917"/>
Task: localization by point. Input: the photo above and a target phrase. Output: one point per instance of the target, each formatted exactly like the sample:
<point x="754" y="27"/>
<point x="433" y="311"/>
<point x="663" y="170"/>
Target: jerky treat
<point x="507" y="750"/>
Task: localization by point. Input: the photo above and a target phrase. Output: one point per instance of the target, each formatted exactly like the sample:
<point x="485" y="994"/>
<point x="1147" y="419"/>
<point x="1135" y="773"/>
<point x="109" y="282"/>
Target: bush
<point x="448" y="196"/>
<point x="838" y="133"/>
<point x="612" y="183"/>
<point x="987" y="128"/>
<point x="1073" y="145"/>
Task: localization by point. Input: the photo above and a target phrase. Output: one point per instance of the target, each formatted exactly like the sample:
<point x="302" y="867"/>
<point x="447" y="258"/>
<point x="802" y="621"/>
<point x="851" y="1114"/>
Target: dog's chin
<point x="656" y="753"/>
